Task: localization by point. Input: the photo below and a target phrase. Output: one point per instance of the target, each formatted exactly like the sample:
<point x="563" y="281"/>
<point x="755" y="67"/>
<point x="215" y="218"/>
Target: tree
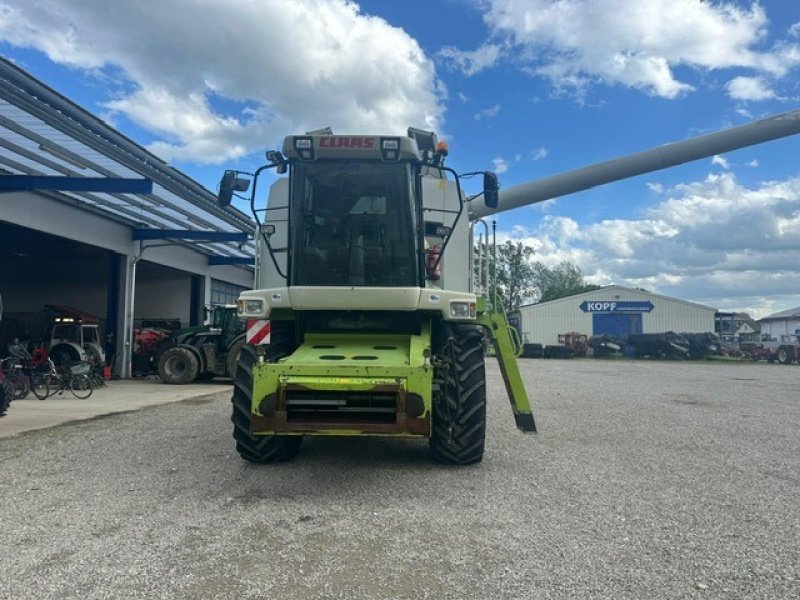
<point x="513" y="274"/>
<point x="518" y="279"/>
<point x="565" y="279"/>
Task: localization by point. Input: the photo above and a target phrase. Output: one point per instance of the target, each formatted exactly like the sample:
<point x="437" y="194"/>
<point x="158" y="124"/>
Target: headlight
<point x="462" y="310"/>
<point x="251" y="307"/>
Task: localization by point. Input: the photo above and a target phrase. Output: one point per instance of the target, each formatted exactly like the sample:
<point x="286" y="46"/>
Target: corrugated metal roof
<point x="609" y="288"/>
<point x="44" y="133"/>
<point x="792" y="313"/>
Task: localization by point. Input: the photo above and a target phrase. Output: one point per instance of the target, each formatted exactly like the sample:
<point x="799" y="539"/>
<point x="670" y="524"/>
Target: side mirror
<point x="228" y="184"/>
<point x="490" y="189"/>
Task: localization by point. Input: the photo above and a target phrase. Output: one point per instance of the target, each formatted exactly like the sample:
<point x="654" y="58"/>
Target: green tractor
<point x="202" y="352"/>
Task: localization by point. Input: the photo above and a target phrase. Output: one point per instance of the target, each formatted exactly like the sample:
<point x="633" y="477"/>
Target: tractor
<point x="74" y="336"/>
<point x="202" y="352"/>
<point x="375" y="324"/>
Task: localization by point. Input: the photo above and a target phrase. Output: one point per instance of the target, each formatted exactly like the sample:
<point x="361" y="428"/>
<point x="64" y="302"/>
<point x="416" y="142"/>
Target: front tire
<point x="178" y="366"/>
<point x="233" y="357"/>
<point x="459" y="406"/>
<point x="260" y="448"/>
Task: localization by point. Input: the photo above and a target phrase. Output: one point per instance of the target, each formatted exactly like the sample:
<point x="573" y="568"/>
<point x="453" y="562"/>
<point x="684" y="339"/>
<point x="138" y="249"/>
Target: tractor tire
<point x="459" y="406"/>
<point x="784" y="356"/>
<point x="6" y="396"/>
<point x="63" y="354"/>
<point x="178" y="366"/>
<point x="233" y="357"/>
<point x="260" y="448"/>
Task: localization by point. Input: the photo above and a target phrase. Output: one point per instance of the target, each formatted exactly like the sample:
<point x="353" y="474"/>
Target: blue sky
<point x="529" y="89"/>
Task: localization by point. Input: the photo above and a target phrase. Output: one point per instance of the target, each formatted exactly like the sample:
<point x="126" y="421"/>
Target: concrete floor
<point x="119" y="396"/>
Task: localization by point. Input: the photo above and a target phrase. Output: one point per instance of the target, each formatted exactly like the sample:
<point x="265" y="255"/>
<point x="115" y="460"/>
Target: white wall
<point x="776" y="329"/>
<point x="543" y="323"/>
<point x="162" y="293"/>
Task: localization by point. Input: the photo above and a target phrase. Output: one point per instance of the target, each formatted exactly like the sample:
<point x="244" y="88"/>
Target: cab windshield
<point x="353" y="224"/>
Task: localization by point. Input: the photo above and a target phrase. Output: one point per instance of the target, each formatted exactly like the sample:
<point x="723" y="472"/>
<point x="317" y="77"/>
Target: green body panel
<point x="351" y="362"/>
<point x="507" y="348"/>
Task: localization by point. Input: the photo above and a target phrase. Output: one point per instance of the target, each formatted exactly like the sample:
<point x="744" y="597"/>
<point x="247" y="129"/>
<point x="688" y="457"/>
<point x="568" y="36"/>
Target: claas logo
<point x="347" y="142"/>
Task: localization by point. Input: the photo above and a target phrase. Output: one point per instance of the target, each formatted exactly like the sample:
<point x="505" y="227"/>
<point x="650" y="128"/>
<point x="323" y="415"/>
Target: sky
<point x="527" y="89"/>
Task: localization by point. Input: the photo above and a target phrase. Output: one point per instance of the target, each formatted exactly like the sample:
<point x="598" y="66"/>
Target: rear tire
<point x="40" y="385"/>
<point x="81" y="386"/>
<point x="260" y="448"/>
<point x="178" y="366"/>
<point x="22" y="386"/>
<point x="783" y="356"/>
<point x="459" y="407"/>
<point x="6" y="396"/>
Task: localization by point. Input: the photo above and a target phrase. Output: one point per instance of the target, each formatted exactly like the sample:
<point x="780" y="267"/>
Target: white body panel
<point x="439" y="195"/>
<point x="277" y="214"/>
<point x="357" y="298"/>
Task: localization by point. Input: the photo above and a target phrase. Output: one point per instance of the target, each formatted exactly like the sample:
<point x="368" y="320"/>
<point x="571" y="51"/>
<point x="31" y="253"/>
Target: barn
<point x="613" y="310"/>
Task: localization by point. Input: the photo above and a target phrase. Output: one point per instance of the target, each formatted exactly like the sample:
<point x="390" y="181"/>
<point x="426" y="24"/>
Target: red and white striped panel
<point x="257" y="332"/>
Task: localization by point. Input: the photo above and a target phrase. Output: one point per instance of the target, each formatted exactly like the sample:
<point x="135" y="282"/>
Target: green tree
<point x="564" y="279"/>
<point x="513" y="274"/>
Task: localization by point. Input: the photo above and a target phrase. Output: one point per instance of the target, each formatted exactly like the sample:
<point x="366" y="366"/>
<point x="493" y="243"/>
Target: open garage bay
<point x="647" y="480"/>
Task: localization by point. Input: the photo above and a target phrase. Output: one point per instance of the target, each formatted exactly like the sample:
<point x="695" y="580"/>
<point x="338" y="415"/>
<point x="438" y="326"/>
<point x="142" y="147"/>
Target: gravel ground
<point x="647" y="480"/>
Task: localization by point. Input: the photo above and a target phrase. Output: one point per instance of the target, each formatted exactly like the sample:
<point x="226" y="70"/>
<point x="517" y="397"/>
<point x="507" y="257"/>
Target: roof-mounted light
<point x="390" y="148"/>
<point x="304" y="146"/>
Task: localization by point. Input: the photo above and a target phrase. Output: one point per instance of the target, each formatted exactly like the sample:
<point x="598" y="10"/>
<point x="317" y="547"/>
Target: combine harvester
<point x="370" y="320"/>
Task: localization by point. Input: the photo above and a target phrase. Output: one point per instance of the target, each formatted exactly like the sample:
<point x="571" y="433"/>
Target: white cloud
<point x="749" y="88"/>
<point x="637" y="44"/>
<point x="471" y="62"/>
<point x="655" y="187"/>
<point x="713" y="241"/>
<point x="500" y="165"/>
<point x="720" y="161"/>
<point x="753" y="163"/>
<point x="221" y="80"/>
<point x="487" y="113"/>
<point x="540" y="153"/>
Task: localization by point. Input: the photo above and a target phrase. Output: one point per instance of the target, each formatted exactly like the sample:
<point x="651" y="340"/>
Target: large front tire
<point x="178" y="366"/>
<point x="233" y="357"/>
<point x="459" y="406"/>
<point x="260" y="448"/>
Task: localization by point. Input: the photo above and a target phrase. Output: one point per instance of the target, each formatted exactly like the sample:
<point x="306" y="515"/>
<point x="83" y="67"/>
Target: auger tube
<point x="655" y="159"/>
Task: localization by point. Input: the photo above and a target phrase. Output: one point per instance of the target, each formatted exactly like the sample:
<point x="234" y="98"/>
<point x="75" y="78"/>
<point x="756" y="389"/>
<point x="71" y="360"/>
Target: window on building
<point x="225" y="293"/>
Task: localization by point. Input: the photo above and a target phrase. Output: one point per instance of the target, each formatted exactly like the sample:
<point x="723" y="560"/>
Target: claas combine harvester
<point x="364" y="277"/>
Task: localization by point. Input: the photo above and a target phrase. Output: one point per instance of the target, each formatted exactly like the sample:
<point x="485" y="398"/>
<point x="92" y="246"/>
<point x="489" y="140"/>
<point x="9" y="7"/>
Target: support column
<point x="125" y="348"/>
<point x="200" y="298"/>
<point x="119" y="299"/>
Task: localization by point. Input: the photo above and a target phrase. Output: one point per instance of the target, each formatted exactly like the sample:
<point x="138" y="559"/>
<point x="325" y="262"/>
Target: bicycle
<point x="13" y="377"/>
<point x="73" y="378"/>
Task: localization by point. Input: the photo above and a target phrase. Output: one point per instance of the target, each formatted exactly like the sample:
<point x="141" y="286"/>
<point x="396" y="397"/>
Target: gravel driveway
<point x="647" y="480"/>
